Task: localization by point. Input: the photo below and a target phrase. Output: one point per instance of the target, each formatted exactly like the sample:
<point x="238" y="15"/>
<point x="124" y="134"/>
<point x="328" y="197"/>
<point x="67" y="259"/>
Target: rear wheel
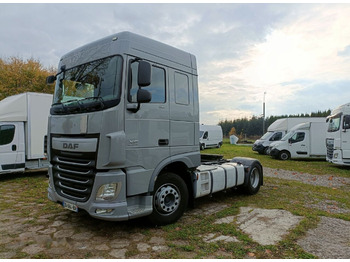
<point x="169" y="200"/>
<point x="253" y="180"/>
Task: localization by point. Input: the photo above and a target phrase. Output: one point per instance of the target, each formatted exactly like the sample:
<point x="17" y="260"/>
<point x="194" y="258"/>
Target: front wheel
<point x="169" y="200"/>
<point x="284" y="155"/>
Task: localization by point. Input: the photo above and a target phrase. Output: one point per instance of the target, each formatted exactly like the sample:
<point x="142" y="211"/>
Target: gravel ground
<point x="315" y="180"/>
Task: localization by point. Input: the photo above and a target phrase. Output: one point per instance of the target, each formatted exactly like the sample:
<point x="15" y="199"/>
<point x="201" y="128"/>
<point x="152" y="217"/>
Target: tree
<point x="18" y="76"/>
<point x="232" y="131"/>
<point x="253" y="126"/>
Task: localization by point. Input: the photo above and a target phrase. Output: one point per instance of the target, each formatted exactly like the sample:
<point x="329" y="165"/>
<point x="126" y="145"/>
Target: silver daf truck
<point x="123" y="133"/>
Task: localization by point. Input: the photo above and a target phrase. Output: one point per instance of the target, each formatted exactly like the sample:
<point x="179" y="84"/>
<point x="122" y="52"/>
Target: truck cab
<point x="125" y="111"/>
<point x="338" y="136"/>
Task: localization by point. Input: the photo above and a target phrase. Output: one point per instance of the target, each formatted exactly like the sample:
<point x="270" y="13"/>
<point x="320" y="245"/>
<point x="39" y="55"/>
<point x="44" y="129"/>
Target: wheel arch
<point x="180" y="166"/>
<point x="248" y="163"/>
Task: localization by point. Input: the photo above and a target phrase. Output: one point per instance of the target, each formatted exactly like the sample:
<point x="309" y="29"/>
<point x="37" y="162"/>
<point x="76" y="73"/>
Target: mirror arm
<point x="133" y="107"/>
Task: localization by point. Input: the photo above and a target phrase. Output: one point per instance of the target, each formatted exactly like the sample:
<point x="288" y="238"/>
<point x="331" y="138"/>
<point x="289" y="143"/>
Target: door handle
<point x="14" y="147"/>
<point x="163" y="142"/>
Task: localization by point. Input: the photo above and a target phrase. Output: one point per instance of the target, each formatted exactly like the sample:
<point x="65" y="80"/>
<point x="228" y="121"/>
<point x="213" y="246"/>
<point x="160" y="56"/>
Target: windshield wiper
<point x="97" y="98"/>
<point x="66" y="108"/>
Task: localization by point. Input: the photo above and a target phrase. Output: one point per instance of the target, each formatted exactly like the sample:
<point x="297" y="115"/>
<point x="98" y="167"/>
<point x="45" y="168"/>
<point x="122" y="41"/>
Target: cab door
<point x="299" y="144"/>
<point x="345" y="137"/>
<point x="146" y="127"/>
<point x="12" y="155"/>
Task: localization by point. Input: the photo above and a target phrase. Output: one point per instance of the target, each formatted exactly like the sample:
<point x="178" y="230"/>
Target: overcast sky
<point x="299" y="54"/>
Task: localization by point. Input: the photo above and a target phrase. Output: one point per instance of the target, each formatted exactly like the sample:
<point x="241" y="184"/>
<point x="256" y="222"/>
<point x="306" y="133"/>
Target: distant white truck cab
<point x="278" y="129"/>
<point x="23" y="126"/>
<point x="210" y="136"/>
<point x="338" y="136"/>
<point x="305" y="140"/>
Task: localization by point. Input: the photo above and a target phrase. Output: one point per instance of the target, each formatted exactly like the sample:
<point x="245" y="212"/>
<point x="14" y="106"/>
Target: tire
<point x="284" y="155"/>
<point x="202" y="147"/>
<point x="253" y="180"/>
<point x="170" y="199"/>
<point x="218" y="146"/>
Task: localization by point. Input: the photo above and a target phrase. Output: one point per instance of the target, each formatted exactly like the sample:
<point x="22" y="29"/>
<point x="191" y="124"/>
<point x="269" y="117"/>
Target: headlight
<point x="109" y="192"/>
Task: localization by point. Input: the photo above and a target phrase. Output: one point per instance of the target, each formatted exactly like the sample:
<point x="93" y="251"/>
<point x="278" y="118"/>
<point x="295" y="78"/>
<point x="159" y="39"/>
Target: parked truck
<point x="277" y="130"/>
<point x="23" y="126"/>
<point x="210" y="136"/>
<point x="338" y="136"/>
<point x="305" y="140"/>
<point x="124" y="129"/>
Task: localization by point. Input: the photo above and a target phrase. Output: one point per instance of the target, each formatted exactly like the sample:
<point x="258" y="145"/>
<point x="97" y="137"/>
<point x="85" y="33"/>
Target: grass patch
<point x="311" y="166"/>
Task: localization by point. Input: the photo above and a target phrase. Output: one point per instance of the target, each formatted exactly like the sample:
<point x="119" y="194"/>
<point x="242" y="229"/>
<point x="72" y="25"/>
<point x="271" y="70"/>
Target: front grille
<point x="73" y="174"/>
<point x="330" y="148"/>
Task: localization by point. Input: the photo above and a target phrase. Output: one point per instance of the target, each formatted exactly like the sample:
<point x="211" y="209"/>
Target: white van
<point x="210" y="136"/>
<point x="278" y="129"/>
<point x="23" y="126"/>
<point x="305" y="140"/>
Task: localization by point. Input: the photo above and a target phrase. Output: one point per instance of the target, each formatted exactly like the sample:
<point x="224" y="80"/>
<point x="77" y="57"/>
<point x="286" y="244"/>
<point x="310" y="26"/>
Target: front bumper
<point x="258" y="148"/>
<point x="337" y="158"/>
<point x="274" y="152"/>
<point x="120" y="209"/>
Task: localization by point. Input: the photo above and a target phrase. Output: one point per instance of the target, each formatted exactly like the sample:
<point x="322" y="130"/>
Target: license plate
<point x="70" y="206"/>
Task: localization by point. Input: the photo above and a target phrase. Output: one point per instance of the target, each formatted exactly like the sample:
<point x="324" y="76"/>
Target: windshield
<point x="89" y="87"/>
<point x="334" y="123"/>
<point x="287" y="136"/>
<point x="201" y="133"/>
<point x="266" y="135"/>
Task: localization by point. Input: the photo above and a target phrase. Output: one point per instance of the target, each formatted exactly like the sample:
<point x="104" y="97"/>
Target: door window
<point x="7" y="132"/>
<point x="205" y="136"/>
<point x="298" y="137"/>
<point x="277" y="136"/>
<point x="181" y="89"/>
<point x="156" y="88"/>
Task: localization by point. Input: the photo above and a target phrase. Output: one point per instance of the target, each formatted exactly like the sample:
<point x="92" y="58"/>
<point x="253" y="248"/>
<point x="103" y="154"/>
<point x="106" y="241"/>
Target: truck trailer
<point x="23" y="126"/>
<point x="124" y="129"/>
<point x="305" y="140"/>
<point x="277" y="130"/>
<point x="338" y="136"/>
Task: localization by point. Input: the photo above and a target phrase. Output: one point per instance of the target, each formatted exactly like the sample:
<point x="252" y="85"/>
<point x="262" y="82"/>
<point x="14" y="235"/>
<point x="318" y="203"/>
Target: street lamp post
<point x="264" y="113"/>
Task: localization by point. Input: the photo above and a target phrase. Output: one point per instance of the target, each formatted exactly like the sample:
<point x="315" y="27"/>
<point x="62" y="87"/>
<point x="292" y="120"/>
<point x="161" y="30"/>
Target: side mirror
<point x="144" y="74"/>
<point x="346" y="122"/>
<point x="143" y="96"/>
<point x="50" y="79"/>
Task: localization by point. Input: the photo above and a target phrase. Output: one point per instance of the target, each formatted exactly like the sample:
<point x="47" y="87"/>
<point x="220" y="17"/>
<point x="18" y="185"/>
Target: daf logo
<point x="70" y="146"/>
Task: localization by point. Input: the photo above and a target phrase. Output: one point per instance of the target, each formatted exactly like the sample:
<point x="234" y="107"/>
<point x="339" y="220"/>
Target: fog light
<point x="109" y="192"/>
<point x="103" y="211"/>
